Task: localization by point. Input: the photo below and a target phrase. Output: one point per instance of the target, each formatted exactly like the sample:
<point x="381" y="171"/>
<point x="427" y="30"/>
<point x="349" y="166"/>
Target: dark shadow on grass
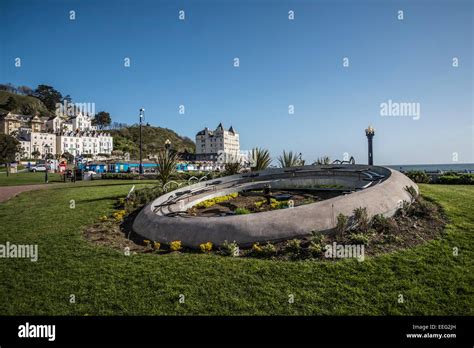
<point x="104" y="198"/>
<point x="79" y="186"/>
<point x="127" y="230"/>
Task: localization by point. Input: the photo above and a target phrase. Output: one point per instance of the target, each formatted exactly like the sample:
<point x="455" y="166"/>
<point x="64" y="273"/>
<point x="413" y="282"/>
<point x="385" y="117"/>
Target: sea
<point x="435" y="168"/>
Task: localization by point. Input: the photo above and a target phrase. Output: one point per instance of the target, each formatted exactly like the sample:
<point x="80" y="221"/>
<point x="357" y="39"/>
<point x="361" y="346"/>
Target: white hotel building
<point x="84" y="143"/>
<point x="56" y="135"/>
<point x="209" y="144"/>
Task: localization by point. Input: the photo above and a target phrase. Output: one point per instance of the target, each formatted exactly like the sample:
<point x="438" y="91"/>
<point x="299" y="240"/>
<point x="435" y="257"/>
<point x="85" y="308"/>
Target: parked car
<point x="38" y="168"/>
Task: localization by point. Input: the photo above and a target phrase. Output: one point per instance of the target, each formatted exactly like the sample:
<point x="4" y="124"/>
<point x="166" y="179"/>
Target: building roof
<point x="220" y="127"/>
<point x="36" y="119"/>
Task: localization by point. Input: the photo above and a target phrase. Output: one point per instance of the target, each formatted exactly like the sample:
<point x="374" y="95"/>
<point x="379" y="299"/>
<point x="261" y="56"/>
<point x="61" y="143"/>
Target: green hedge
<point x="120" y="176"/>
<point x="456" y="179"/>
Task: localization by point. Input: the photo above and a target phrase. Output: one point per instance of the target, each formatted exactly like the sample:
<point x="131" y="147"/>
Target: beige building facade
<point x="218" y="142"/>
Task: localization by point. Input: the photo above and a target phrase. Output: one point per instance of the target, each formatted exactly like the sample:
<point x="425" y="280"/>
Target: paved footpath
<point x="7" y="192"/>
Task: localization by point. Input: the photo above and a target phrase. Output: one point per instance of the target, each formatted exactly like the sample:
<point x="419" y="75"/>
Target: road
<point x="7" y="192"/>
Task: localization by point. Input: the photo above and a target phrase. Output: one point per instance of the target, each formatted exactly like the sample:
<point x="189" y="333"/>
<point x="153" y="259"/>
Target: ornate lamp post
<point x="142" y="115"/>
<point x="46" y="180"/>
<point x="167" y="146"/>
<point x="370" y="132"/>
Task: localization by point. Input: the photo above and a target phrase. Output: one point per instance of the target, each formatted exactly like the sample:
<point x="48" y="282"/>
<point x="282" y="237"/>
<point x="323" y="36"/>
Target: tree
<point x="35" y="154"/>
<point x="69" y="157"/>
<point x="67" y="99"/>
<point x="27" y="109"/>
<point x="8" y="87"/>
<point x="11" y="104"/>
<point x="9" y="147"/>
<point x="166" y="161"/>
<point x="289" y="159"/>
<point x="102" y="119"/>
<point x="49" y="96"/>
<point x="25" y="90"/>
<point x="117" y="153"/>
<point x="260" y="159"/>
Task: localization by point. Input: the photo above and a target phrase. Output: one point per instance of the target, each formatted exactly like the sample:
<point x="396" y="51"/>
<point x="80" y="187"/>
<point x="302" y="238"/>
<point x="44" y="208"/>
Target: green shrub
<point x="361" y="218"/>
<point x="404" y="210"/>
<point x="418" y="176"/>
<point x="424" y="208"/>
<point x="241" y="211"/>
<point x="145" y="195"/>
<point x="269" y="250"/>
<point x="139" y="198"/>
<point x="230" y="249"/>
<point x="317" y="237"/>
<point x="383" y="224"/>
<point x="232" y="168"/>
<point x="120" y="176"/>
<point x="341" y="224"/>
<point x="315" y="249"/>
<point x="359" y="238"/>
<point x="412" y="191"/>
<point x="293" y="246"/>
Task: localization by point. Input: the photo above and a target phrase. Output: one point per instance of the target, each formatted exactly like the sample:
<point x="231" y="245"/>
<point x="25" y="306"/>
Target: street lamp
<point x="370" y="132"/>
<point x="142" y="115"/>
<point x="46" y="163"/>
<point x="167" y="146"/>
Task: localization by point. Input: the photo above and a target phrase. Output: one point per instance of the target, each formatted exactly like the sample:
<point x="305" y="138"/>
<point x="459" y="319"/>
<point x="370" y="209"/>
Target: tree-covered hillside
<point x="22" y="104"/>
<point x="127" y="140"/>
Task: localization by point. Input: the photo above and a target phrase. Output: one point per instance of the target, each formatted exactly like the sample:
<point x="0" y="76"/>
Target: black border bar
<point x="207" y="330"/>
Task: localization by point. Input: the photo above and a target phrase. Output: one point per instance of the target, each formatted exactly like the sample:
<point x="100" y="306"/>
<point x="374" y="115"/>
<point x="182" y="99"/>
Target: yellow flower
<point x="257" y="248"/>
<point x="146" y="241"/>
<point x="206" y="247"/>
<point x="118" y="215"/>
<point x="157" y="245"/>
<point x="175" y="245"/>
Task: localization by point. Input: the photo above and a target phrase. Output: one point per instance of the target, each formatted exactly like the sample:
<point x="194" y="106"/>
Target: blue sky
<point x="282" y="63"/>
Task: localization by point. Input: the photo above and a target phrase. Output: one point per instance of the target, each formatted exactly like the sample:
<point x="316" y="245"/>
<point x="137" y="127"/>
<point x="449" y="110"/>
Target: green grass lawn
<point x="27" y="178"/>
<point x="106" y="282"/>
<point x="3" y="169"/>
<point x="30" y="178"/>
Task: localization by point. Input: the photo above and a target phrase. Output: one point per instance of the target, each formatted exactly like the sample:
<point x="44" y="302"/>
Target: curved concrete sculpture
<point x="381" y="190"/>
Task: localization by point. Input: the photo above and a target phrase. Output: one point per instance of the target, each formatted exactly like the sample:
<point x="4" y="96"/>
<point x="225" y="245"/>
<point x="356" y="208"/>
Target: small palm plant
<point x="290" y="159"/>
<point x="232" y="168"/>
<point x="166" y="162"/>
<point x="325" y="160"/>
<point x="260" y="159"/>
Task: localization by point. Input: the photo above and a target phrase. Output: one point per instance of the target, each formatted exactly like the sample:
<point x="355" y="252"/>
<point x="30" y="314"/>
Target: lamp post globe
<point x="167" y="145"/>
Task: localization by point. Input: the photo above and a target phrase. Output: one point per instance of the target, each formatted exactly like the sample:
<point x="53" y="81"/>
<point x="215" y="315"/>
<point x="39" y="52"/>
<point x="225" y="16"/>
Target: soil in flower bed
<point x="423" y="221"/>
<point x="255" y="202"/>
